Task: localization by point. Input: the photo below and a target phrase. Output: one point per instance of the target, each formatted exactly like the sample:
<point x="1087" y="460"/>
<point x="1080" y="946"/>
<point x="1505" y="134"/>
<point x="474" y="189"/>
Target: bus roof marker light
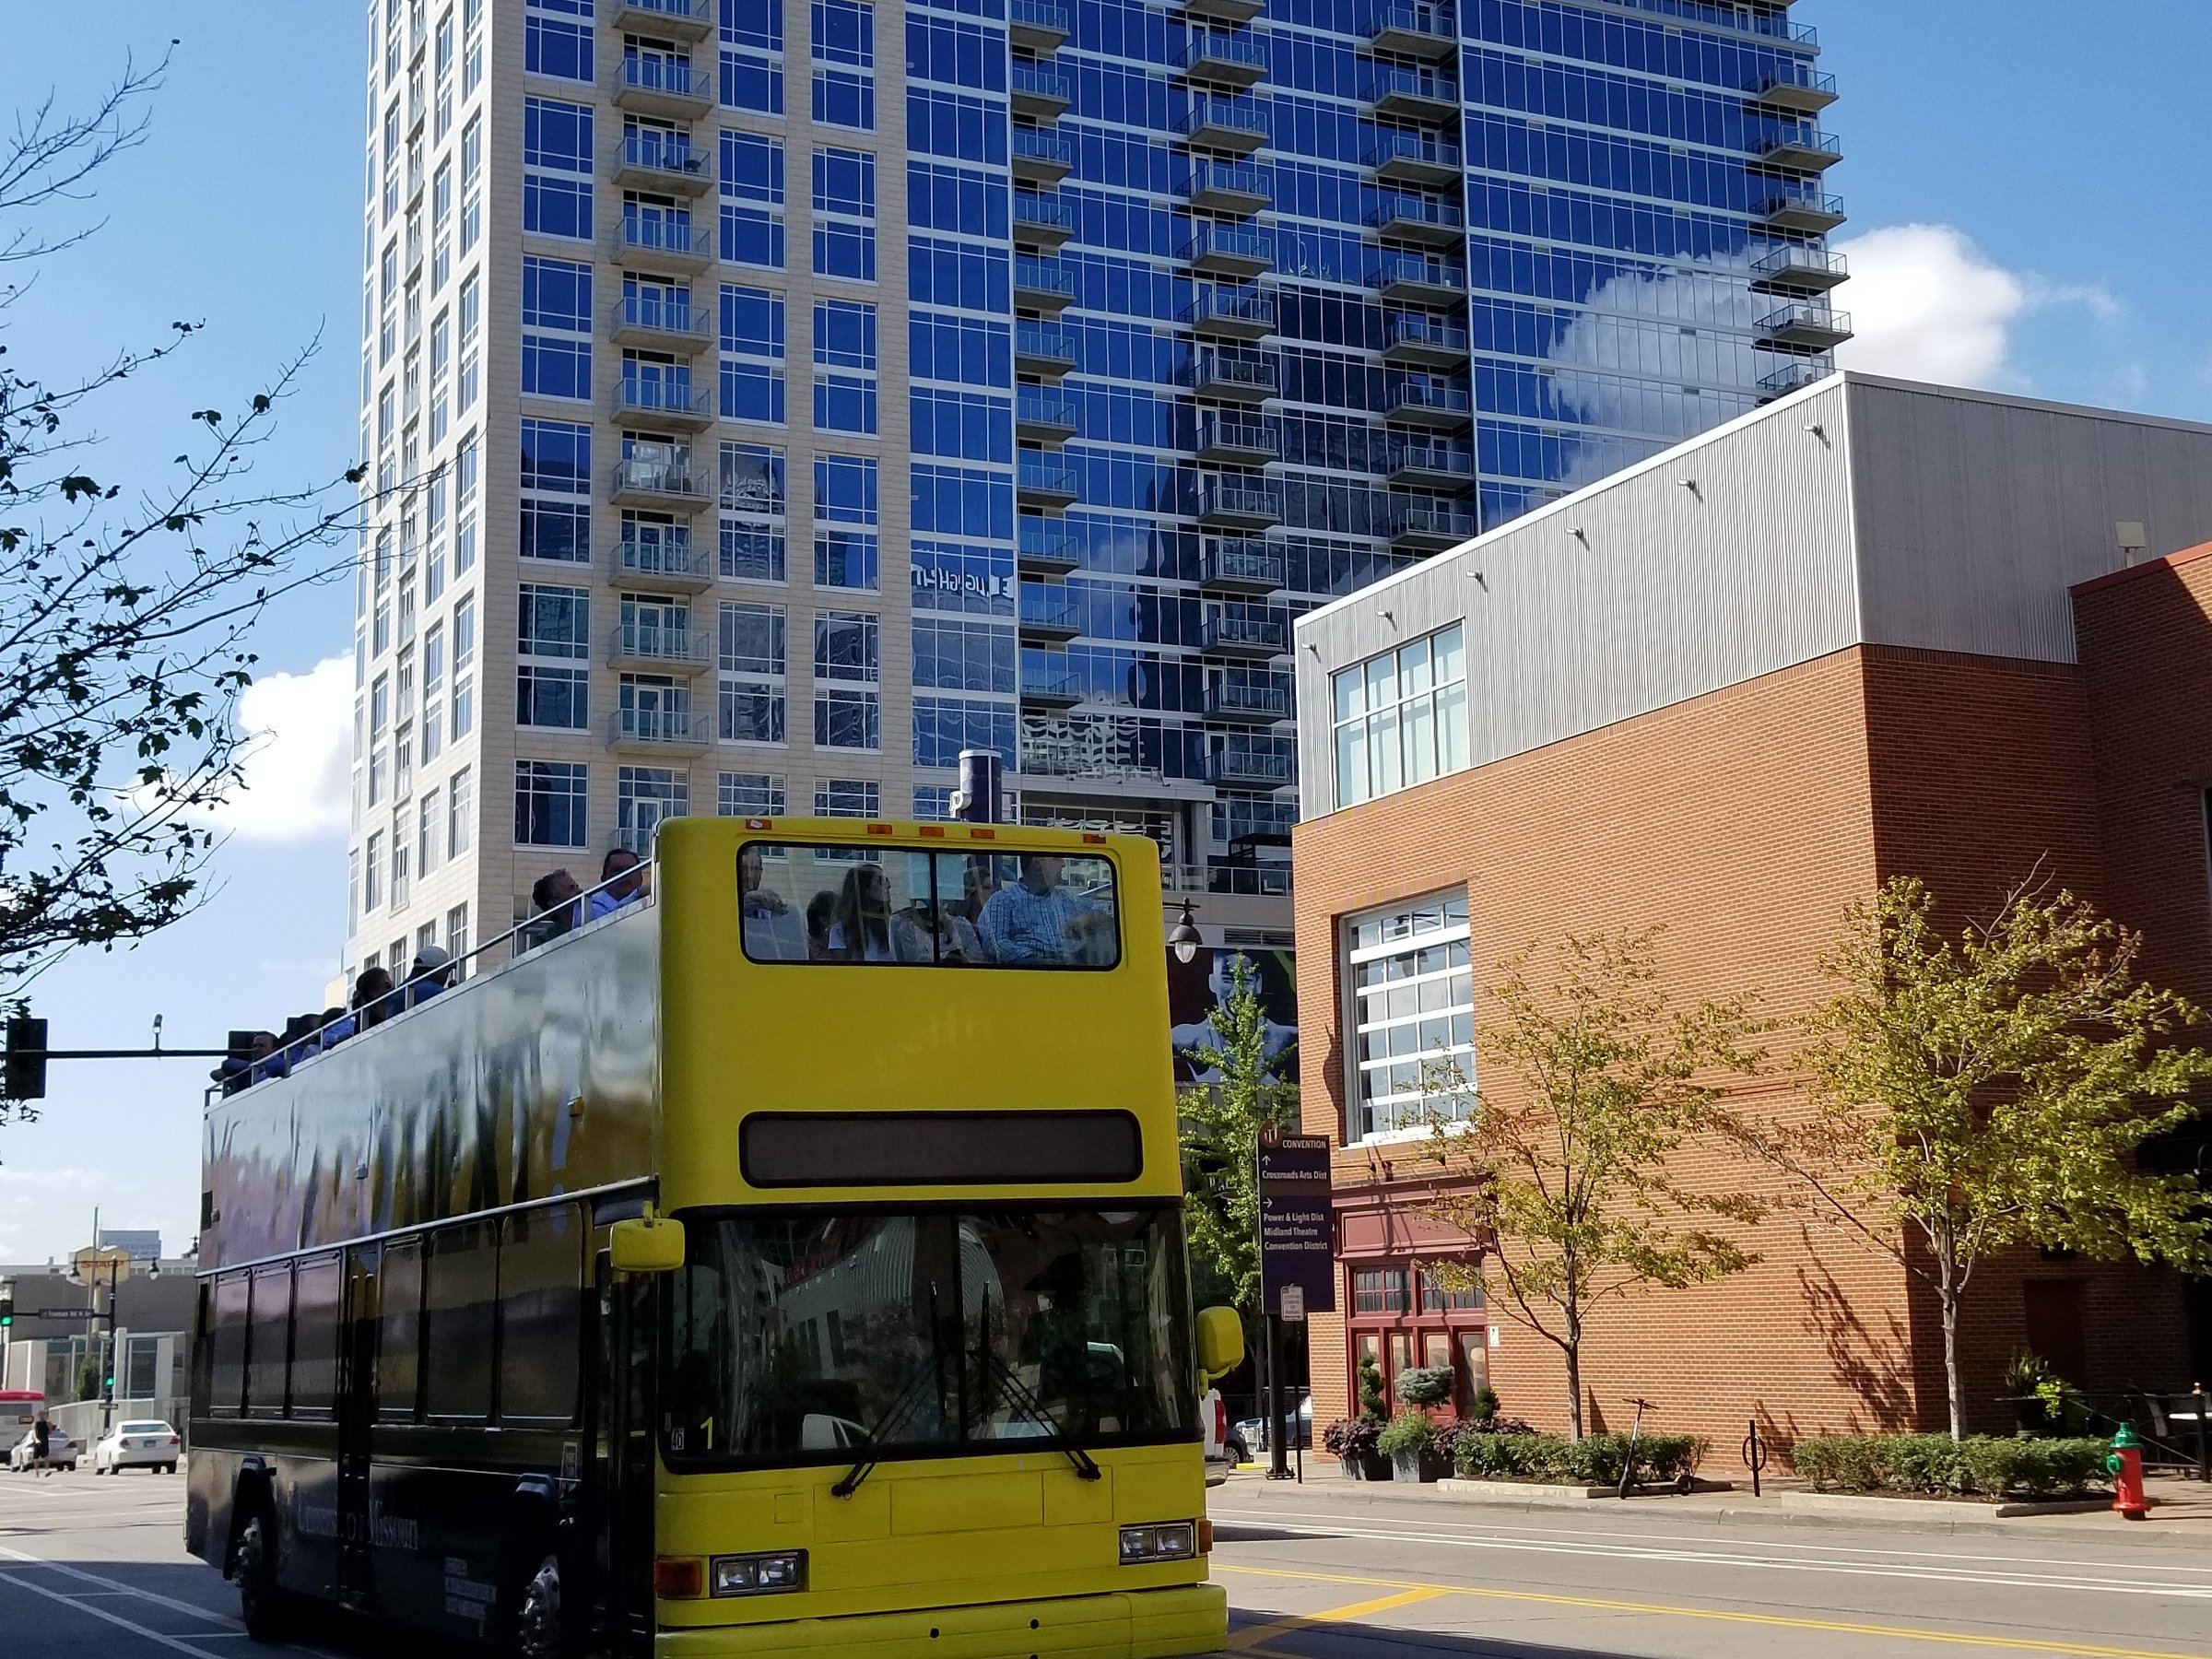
<point x="759" y="823"/>
<point x="879" y="829"/>
<point x="1184" y="938"/>
<point x="933" y="833"/>
<point x="982" y="832"/>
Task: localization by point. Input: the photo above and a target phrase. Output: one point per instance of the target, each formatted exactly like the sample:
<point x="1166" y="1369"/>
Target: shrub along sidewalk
<point x="1595" y="1460"/>
<point x="1982" y="1465"/>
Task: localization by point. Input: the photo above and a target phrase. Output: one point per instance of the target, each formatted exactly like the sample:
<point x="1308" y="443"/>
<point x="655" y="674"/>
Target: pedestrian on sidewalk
<point x="41" y="1442"/>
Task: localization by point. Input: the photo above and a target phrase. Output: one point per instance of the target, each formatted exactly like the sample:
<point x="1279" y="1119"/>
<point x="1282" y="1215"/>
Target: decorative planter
<point x="1422" y="1466"/>
<point x="1366" y="1466"/>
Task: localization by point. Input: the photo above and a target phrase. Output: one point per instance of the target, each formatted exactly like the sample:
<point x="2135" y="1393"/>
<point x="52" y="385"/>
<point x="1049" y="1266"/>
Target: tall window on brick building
<point x="1409" y="1015"/>
<point x="1401" y="718"/>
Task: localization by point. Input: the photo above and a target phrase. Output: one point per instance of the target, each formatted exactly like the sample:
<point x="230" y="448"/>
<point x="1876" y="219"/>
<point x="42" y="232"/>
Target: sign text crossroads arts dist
<point x="1296" y="1236"/>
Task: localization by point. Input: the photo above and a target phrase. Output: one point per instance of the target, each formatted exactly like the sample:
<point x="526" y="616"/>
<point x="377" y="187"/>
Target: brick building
<point x="1873" y="628"/>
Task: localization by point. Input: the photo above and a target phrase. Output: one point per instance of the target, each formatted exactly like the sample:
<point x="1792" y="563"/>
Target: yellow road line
<point x="1422" y="1592"/>
<point x="1252" y="1636"/>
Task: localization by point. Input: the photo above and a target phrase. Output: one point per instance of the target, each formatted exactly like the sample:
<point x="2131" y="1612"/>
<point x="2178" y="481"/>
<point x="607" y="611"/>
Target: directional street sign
<point x="1298" y="1264"/>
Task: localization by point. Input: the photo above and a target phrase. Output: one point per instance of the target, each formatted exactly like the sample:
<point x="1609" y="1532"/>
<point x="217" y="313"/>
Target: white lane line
<point x="1711" y="1559"/>
<point x="1723" y="1542"/>
<point x="175" y="1643"/>
<point x="115" y="1587"/>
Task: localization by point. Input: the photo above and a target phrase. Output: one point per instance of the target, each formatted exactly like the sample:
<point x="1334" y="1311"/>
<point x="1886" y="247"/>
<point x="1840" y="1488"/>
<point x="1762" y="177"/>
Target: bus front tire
<point x="537" y="1632"/>
<point x="262" y="1605"/>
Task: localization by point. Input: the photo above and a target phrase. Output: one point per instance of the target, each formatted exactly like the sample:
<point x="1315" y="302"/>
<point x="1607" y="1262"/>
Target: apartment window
<point x="433" y="691"/>
<point x="751" y="673"/>
<point x="372" y="874"/>
<point x="472" y="45"/>
<point x="441" y="62"/>
<point x="752" y="56"/>
<point x="427" y="839"/>
<point x="1400" y="718"/>
<point x="465" y="665"/>
<point x="752" y="355"/>
<point x="846" y="519"/>
<point x="557" y="167"/>
<point x="471" y="297"/>
<point x="380" y="728"/>
<point x="553" y="647"/>
<point x="844" y="375"/>
<point x="550" y="804"/>
<point x="955" y="653"/>
<point x="464" y="507"/>
<point x="945" y="725"/>
<point x="843" y="797"/>
<point x="460" y="820"/>
<point x="456" y="938"/>
<point x="643" y="796"/>
<point x="1409" y="1015"/>
<point x="847" y="711"/>
<point x="845" y="63"/>
<point x="400" y="852"/>
<point x="392" y="161"/>
<point x="844" y="214"/>
<point x="749" y="794"/>
<point x="556" y="491"/>
<point x="557" y="328"/>
<point x="387" y="328"/>
<point x="752" y="512"/>
<point x="752" y="200"/>
<point x="441" y="227"/>
<point x="556" y="42"/>
<point x="472" y="184"/>
<point x="442" y="354"/>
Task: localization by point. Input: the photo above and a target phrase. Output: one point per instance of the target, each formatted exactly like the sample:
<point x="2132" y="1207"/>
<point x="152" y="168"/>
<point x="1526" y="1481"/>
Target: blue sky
<point x="2023" y="178"/>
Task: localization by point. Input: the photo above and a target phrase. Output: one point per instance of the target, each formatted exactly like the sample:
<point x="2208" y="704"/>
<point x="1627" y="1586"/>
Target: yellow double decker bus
<point x="788" y="1262"/>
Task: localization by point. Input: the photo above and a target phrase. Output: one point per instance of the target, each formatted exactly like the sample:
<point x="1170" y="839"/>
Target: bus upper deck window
<point x="888" y="905"/>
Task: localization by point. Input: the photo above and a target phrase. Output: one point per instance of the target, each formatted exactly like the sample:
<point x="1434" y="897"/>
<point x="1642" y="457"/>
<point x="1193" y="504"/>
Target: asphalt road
<point x="95" y="1569"/>
<point x="1335" y="1570"/>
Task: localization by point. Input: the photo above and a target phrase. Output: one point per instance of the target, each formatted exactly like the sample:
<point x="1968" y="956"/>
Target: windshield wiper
<point x="1019" y="1394"/>
<point x="929" y="1372"/>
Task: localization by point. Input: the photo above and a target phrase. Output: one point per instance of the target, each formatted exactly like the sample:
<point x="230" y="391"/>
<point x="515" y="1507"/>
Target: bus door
<point x="620" y="1435"/>
<point x="357" y="1418"/>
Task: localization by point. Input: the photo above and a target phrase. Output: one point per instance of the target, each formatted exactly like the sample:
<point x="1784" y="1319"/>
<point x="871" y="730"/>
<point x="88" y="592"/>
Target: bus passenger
<point x="553" y="898"/>
<point x="1036" y="919"/>
<point x="773" y="930"/>
<point x="432" y="972"/>
<point x="822" y="909"/>
<point x="864" y="930"/>
<point x="622" y="880"/>
<point x="371" y="1005"/>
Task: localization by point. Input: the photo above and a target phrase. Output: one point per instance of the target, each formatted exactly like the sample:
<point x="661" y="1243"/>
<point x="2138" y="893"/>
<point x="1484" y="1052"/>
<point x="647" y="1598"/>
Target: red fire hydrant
<point x="2125" y="1463"/>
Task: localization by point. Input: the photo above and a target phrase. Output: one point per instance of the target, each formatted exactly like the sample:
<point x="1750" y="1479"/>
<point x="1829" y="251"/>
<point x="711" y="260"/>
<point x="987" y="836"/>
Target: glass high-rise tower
<point x="800" y="391"/>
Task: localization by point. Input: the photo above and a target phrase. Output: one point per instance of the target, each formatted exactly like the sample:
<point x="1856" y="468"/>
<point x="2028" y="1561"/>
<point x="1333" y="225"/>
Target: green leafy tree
<point x="1567" y="1180"/>
<point x="1222" y="1126"/>
<point x="1996" y="1089"/>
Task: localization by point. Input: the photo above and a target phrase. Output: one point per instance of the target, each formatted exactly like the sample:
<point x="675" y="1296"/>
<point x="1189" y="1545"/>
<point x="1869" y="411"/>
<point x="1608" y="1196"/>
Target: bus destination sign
<point x="1298" y="1262"/>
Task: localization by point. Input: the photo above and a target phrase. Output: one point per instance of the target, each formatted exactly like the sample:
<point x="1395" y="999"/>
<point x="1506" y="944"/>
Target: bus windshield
<point x="801" y="1337"/>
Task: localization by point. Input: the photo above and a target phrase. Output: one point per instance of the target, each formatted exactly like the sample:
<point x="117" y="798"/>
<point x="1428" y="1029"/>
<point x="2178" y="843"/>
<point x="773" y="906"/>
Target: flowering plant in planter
<point x="1412" y="1445"/>
<point x="1353" y="1442"/>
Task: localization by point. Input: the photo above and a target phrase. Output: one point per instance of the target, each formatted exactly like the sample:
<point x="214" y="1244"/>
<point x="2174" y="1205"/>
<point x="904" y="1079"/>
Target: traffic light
<point x="7" y="1303"/>
<point x="26" y="1070"/>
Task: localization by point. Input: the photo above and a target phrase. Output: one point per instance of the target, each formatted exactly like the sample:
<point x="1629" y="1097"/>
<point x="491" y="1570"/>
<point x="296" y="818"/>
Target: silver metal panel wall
<point x="1669" y="591"/>
<point x="1978" y="513"/>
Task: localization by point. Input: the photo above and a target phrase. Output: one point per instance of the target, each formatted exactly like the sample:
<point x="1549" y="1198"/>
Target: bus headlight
<point x="759" y="1574"/>
<point x="1165" y="1541"/>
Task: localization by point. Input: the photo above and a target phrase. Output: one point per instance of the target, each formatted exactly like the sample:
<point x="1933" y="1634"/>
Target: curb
<point x="1526" y="1494"/>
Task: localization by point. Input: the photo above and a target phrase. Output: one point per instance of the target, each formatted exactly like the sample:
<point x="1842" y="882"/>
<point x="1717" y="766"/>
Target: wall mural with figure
<point x="1199" y="986"/>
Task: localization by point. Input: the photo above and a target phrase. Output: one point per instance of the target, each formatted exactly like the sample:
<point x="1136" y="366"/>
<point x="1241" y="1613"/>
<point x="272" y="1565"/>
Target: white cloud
<point x="297" y="728"/>
<point x="1928" y="304"/>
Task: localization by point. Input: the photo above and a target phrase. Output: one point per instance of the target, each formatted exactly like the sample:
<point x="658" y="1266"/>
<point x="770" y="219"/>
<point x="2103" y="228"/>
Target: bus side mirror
<point x="648" y="1244"/>
<point x="1220" y="1341"/>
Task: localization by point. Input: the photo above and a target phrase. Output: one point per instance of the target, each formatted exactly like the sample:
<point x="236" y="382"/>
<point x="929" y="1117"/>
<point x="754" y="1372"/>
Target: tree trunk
<point x="1572" y="1347"/>
<point x="1947" y="1292"/>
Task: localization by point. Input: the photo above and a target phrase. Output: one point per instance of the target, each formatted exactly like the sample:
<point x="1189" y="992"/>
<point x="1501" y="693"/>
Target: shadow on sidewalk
<point x="1355" y="1639"/>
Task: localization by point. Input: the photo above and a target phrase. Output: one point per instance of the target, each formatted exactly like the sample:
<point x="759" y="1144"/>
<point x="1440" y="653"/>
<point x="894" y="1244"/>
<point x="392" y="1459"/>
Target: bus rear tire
<point x="262" y="1605"/>
<point x="537" y="1628"/>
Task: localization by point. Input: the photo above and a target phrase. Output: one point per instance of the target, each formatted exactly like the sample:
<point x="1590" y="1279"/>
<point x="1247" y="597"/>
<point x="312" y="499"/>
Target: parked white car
<point x="1219" y="1459"/>
<point x="144" y="1445"/>
<point x="61" y="1451"/>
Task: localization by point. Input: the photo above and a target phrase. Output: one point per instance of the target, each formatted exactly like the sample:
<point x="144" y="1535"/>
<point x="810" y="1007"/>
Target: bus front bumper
<point x="1129" y="1624"/>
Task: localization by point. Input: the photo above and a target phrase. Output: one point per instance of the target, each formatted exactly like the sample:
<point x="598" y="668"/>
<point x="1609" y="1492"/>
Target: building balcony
<point x="1797" y="87"/>
<point x="1245" y="503"/>
<point x="659" y="649"/>
<point x="665" y="404"/>
<point x="1233" y="314"/>
<point x="1240" y="377"/>
<point x="1046" y="349"/>
<point x="1242" y="565"/>
<point x="1258" y="699"/>
<point x="1805" y="326"/>
<point x="1792" y="376"/>
<point x="1045" y="547"/>
<point x="1044" y="415"/>
<point x="1398" y="156"/>
<point x="1403" y="30"/>
<point x="1237" y="188"/>
<point x="665" y="87"/>
<point x="663" y="244"/>
<point x="1801" y="149"/>
<point x="659" y="732"/>
<point x="1222" y="11"/>
<point x="1039" y="93"/>
<point x="1429" y="464"/>
<point x="1234" y="60"/>
<point x="1043" y="283"/>
<point x="1806" y="212"/>
<point x="666" y="483"/>
<point x="1428" y="527"/>
<point x="1429" y="404"/>
<point x="1049" y="615"/>
<point x="650" y="163"/>
<point x="1038" y="27"/>
<point x="1237" y="440"/>
<point x="662" y="326"/>
<point x="1418" y="218"/>
<point x="1412" y="95"/>
<point x="668" y="562"/>
<point x="1054" y="686"/>
<point x="1044" y="484"/>
<point x="1411" y="279"/>
<point x="1041" y="222"/>
<point x="1042" y="156"/>
<point x="1251" y="763"/>
<point x="1413" y="339"/>
<point x="665" y="19"/>
<point x="1224" y="124"/>
<point x="1795" y="268"/>
<point x="1217" y="250"/>
<point x="1245" y="636"/>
